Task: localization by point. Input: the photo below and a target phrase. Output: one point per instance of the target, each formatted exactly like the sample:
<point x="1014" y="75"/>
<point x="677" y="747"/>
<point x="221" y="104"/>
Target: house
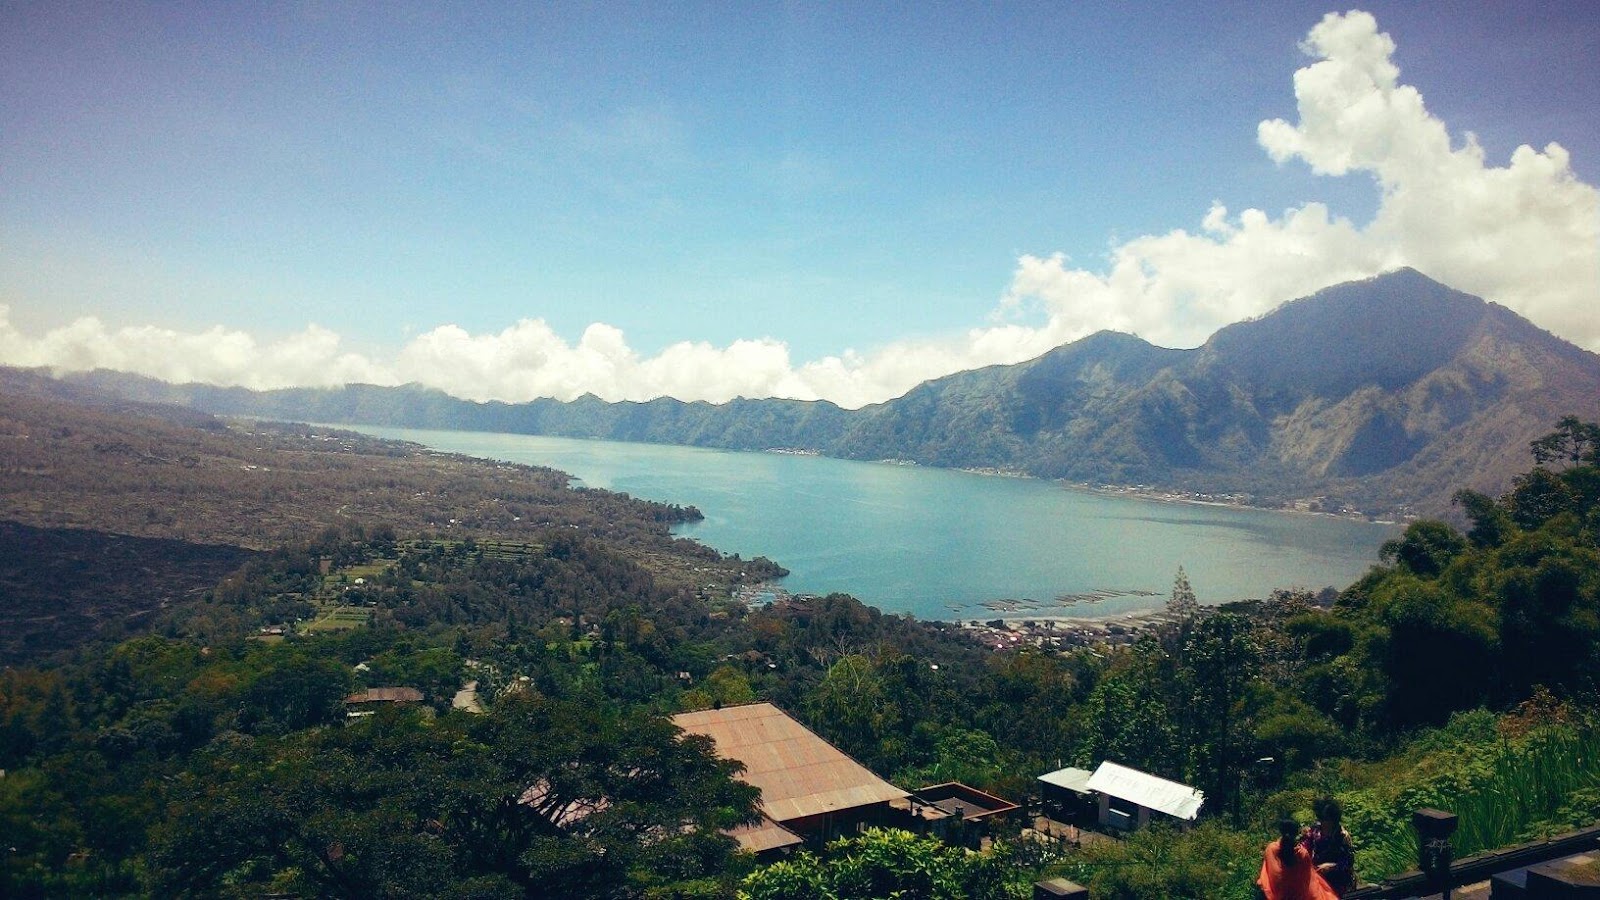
<point x="363" y="703"/>
<point x="1066" y="796"/>
<point x="1128" y="797"/>
<point x="958" y="814"/>
<point x="810" y="790"/>
<point x="384" y="695"/>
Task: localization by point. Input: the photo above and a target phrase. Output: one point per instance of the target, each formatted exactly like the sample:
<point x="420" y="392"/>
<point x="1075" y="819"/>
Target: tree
<point x="535" y="798"/>
<point x="883" y="863"/>
<point x="1162" y="864"/>
<point x="1574" y="442"/>
<point x="1218" y="664"/>
<point x="1129" y="717"/>
<point x="1183" y="602"/>
<point x="1425" y="548"/>
<point x="1438" y="650"/>
<point x="1491" y="526"/>
<point x="857" y="709"/>
<point x="1537" y="496"/>
<point x="967" y="756"/>
<point x="1547" y="589"/>
<point x="294" y="689"/>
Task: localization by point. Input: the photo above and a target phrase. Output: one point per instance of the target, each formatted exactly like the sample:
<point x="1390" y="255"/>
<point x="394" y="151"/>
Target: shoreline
<point x="1172" y="495"/>
<point x="1069" y="632"/>
<point x="1197" y="498"/>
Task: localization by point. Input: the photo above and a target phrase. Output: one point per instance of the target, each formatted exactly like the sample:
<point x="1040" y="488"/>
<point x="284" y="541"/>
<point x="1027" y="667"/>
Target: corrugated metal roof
<point x="1071" y="778"/>
<point x="386" y="695"/>
<point x="764" y="835"/>
<point x="799" y="773"/>
<point x="1149" y="791"/>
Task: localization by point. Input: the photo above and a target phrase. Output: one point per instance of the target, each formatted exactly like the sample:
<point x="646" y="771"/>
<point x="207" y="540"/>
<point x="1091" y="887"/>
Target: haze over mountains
<point x="1384" y="395"/>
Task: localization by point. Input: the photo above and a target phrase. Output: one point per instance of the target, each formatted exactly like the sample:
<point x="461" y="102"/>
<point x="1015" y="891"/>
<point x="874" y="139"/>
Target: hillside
<point x="1385" y="395"/>
<point x="235" y="750"/>
<point x="111" y="510"/>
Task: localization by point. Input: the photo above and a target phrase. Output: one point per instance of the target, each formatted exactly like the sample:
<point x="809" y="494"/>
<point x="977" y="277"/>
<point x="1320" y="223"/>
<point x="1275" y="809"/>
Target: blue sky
<point x="840" y="198"/>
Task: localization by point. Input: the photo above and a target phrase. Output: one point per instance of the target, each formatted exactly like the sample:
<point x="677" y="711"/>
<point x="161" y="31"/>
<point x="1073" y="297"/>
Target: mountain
<point x="1383" y="395"/>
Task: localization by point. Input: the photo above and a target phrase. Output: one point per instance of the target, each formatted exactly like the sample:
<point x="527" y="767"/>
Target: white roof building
<point x="1071" y="778"/>
<point x="1146" y="791"/>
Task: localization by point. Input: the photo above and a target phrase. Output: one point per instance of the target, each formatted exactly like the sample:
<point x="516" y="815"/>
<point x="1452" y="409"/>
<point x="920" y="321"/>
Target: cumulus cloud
<point x="215" y="356"/>
<point x="1526" y="234"/>
<point x="530" y="360"/>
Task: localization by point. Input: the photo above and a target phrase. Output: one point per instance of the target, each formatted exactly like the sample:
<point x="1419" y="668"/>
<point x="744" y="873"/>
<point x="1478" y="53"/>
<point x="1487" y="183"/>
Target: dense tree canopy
<point x="211" y="759"/>
<point x="573" y="799"/>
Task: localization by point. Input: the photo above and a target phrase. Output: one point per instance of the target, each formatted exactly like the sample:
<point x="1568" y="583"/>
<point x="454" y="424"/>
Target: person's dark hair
<point x="1288" y="839"/>
<point x="1328" y="809"/>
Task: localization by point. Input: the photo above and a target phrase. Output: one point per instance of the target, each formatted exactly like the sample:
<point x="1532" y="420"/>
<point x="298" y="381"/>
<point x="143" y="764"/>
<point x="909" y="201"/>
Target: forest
<point x="212" y="753"/>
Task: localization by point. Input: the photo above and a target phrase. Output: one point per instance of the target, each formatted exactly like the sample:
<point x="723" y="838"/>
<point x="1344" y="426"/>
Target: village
<point x="1067" y="632"/>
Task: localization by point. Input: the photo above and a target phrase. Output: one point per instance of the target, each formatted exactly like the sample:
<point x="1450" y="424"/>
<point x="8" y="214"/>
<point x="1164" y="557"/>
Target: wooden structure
<point x="810" y="790"/>
<point x="956" y="813"/>
<point x="384" y="695"/>
<point x="364" y="703"/>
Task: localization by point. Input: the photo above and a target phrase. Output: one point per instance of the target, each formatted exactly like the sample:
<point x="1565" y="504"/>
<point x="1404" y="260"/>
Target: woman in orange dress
<point x="1287" y="872"/>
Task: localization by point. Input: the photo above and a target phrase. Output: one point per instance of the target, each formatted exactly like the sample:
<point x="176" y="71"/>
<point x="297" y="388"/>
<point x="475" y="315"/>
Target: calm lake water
<point x="939" y="543"/>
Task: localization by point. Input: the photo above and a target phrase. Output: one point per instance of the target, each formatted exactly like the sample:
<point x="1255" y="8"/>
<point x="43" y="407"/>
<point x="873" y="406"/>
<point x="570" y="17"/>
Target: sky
<point x="811" y="200"/>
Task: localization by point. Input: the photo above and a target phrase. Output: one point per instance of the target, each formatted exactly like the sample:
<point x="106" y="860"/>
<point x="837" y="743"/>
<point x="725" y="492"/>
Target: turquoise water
<point x="939" y="543"/>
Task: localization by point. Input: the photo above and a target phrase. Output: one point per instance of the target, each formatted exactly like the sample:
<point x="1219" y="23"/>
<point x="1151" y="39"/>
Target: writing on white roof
<point x="1177" y="800"/>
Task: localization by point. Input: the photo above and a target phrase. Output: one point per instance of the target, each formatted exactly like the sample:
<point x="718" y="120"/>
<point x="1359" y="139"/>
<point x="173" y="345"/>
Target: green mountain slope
<point x="1386" y="394"/>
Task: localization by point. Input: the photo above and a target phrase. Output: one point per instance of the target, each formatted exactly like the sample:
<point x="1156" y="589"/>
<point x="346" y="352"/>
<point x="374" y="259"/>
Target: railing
<point x="1480" y="867"/>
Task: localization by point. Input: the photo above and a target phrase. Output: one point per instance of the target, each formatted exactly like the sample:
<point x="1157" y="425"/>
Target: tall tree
<point x="1218" y="665"/>
<point x="1183" y="602"/>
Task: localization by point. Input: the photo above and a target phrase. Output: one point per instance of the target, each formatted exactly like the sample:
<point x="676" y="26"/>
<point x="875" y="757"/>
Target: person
<point x="1287" y="872"/>
<point x="1330" y="845"/>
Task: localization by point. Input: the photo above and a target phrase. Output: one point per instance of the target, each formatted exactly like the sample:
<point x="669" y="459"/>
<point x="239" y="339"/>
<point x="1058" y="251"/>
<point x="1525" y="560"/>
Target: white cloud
<point x="1526" y="234"/>
<point x="530" y="360"/>
<point x="216" y="356"/>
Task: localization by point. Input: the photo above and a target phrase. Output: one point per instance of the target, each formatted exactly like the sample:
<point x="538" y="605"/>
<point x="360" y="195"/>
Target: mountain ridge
<point x="1382" y="395"/>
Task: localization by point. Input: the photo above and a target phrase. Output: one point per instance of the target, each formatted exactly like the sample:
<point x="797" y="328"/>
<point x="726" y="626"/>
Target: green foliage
<point x="886" y="863"/>
<point x="1457" y="622"/>
<point x="435" y="671"/>
<point x="1574" y="441"/>
<point x="1437" y="649"/>
<point x="1293" y="732"/>
<point x="1425" y="548"/>
<point x="236" y="752"/>
<point x="1507" y="780"/>
<point x="1219" y="662"/>
<point x="1209" y="862"/>
<point x="1188" y="716"/>
<point x="959" y="754"/>
<point x="572" y="799"/>
<point x="1128" y="714"/>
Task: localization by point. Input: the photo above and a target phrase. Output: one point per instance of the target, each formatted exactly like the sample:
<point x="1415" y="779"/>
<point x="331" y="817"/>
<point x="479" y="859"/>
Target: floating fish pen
<point x="1099" y="595"/>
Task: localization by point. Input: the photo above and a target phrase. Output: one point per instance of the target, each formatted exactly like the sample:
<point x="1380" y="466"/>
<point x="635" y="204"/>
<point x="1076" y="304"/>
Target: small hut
<point x="1128" y="797"/>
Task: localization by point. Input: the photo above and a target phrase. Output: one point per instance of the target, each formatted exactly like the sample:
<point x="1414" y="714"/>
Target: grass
<point x="1504" y="793"/>
<point x="507" y="549"/>
<point x="367" y="570"/>
<point x="340" y="618"/>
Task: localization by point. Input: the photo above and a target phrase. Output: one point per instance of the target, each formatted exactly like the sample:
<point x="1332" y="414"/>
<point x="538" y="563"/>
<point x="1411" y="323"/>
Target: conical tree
<point x="1183" y="602"/>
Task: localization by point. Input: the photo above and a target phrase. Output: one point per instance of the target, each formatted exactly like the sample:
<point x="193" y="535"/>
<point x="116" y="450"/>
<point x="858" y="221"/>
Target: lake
<point x="939" y="543"/>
